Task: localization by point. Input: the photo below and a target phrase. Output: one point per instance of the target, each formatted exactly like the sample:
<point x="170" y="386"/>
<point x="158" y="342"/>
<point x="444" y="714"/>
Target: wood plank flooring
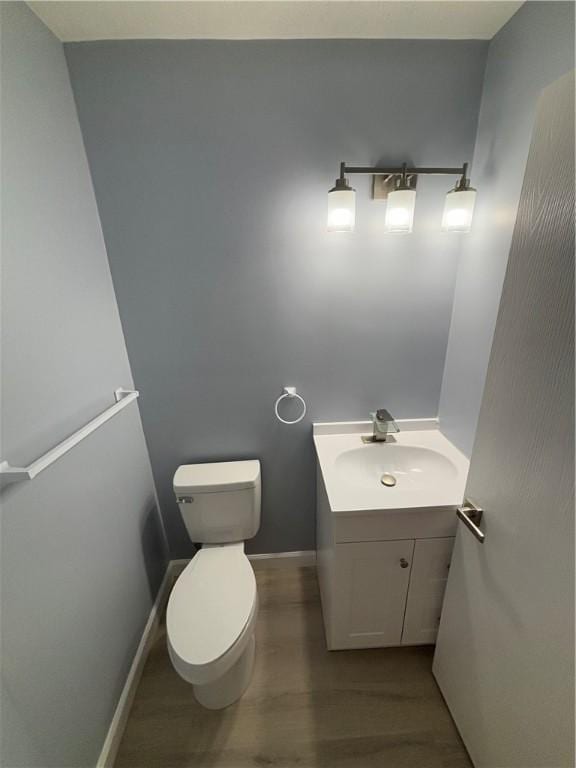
<point x="305" y="708"/>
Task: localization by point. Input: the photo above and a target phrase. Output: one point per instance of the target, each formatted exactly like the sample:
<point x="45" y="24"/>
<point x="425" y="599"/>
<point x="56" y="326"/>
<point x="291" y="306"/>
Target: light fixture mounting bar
<point x="398" y="171"/>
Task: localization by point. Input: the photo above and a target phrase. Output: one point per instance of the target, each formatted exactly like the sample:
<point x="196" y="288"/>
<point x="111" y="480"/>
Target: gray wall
<point x="82" y="551"/>
<point x="211" y="162"/>
<point x="532" y="50"/>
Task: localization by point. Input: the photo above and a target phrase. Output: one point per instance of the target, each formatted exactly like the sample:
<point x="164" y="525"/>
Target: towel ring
<point x="290" y="392"/>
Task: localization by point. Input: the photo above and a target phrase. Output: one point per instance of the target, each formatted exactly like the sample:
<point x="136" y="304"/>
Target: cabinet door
<point x="428" y="577"/>
<point x="370" y="595"/>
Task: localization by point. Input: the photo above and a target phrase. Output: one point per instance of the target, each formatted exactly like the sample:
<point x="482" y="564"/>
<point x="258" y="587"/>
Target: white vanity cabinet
<point x="428" y="576"/>
<point x="371" y="587"/>
<point x="383" y="549"/>
<point x="384" y="589"/>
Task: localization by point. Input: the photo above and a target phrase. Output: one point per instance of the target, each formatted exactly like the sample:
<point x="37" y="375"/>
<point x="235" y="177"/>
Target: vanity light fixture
<point x="398" y="186"/>
<point x="341" y="206"/>
<point x="400" y="207"/>
<point x="459" y="206"/>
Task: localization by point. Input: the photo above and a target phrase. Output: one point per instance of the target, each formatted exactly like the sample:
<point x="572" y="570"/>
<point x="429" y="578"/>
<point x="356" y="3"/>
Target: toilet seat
<point x="211" y="613"/>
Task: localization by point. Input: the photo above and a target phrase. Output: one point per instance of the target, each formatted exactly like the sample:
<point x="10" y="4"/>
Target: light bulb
<point x="458" y="210"/>
<point x="400" y="210"/>
<point x="341" y="207"/>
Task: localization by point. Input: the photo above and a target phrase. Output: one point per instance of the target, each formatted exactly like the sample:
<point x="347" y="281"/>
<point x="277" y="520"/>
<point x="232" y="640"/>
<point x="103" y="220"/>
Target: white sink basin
<point x="411" y="466"/>
<point x="423" y="468"/>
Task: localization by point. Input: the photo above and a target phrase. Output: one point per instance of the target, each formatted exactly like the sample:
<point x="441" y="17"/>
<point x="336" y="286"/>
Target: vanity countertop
<point x="425" y="468"/>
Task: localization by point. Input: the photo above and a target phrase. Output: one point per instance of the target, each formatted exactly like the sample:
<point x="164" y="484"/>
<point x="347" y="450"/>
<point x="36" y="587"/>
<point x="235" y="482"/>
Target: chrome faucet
<point x="382" y="426"/>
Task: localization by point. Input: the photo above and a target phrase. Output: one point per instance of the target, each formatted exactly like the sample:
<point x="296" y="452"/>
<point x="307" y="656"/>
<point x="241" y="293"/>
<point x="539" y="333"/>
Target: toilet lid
<point x="211" y="603"/>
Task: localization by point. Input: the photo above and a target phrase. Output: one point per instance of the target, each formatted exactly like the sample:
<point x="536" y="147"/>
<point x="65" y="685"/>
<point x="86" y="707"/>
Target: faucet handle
<point x="384" y="421"/>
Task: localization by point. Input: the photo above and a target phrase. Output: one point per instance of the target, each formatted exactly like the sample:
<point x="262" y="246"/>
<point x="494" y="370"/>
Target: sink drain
<point x="388" y="480"/>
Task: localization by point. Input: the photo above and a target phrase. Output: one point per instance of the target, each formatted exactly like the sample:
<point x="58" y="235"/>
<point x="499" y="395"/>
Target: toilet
<point x="212" y="608"/>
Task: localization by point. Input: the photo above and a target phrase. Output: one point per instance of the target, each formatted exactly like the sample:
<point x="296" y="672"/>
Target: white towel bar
<point x="13" y="474"/>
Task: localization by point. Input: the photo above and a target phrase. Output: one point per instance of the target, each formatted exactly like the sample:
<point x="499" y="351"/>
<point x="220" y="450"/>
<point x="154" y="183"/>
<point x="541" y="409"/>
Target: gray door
<point x="505" y="652"/>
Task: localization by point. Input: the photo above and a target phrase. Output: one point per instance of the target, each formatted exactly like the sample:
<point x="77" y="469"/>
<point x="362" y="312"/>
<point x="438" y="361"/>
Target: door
<point x="372" y="582"/>
<point x="505" y="651"/>
<point x="428" y="577"/>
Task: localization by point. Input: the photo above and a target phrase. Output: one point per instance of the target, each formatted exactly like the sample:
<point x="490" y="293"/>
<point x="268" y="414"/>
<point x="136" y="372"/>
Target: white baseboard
<point x="283" y="559"/>
<point x="268" y="560"/>
<point x="118" y="724"/>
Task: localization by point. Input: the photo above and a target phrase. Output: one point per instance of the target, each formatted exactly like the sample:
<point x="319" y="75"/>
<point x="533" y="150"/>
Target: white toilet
<point x="212" y="609"/>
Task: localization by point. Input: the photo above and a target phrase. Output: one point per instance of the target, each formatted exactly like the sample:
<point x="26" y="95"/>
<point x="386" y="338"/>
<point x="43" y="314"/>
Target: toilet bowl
<point x="210" y="624"/>
<point x="212" y="609"/>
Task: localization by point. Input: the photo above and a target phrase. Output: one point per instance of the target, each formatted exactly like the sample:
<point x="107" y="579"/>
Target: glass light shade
<point x="458" y="210"/>
<point x="341" y="210"/>
<point x="400" y="210"/>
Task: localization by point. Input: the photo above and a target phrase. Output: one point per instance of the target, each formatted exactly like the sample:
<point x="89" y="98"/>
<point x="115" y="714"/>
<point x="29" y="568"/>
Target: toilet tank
<point x="220" y="502"/>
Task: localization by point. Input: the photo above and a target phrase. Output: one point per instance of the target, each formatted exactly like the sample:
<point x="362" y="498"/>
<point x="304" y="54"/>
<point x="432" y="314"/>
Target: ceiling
<point x="261" y="19"/>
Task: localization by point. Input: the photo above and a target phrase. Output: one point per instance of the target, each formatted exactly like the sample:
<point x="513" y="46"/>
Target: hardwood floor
<point x="305" y="707"/>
